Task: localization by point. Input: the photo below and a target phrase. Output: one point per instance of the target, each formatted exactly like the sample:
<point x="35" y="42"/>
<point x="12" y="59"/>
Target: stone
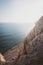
<point x="2" y="59"/>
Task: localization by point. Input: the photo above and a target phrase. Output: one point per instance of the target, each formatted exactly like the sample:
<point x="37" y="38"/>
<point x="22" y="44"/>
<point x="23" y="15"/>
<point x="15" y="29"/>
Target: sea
<point x="12" y="34"/>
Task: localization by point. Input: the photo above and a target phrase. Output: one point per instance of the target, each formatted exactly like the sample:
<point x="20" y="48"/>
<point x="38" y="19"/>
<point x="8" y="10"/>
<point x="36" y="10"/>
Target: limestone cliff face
<point x="38" y="29"/>
<point x="30" y="50"/>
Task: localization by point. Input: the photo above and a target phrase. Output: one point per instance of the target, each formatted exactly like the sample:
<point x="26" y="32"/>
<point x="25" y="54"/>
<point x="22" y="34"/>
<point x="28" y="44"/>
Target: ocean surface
<point x="11" y="34"/>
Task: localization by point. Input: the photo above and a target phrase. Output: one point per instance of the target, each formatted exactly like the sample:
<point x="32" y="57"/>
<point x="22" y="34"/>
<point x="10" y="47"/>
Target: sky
<point x="20" y="11"/>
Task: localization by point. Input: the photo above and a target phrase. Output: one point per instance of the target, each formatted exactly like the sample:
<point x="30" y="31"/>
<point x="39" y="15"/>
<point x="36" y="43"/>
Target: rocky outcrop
<point x="2" y="59"/>
<point x="30" y="50"/>
<point x="38" y="29"/>
<point x="34" y="54"/>
<point x="14" y="53"/>
<point x="33" y="44"/>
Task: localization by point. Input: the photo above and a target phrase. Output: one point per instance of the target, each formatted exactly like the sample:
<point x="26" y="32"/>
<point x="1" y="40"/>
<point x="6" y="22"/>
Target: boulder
<point x="2" y="59"/>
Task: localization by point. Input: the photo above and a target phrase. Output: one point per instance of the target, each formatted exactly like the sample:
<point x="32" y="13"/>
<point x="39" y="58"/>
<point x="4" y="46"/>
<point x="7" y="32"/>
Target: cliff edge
<point x="30" y="50"/>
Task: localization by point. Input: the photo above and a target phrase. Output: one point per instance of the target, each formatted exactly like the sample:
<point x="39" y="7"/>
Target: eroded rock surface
<point x="34" y="54"/>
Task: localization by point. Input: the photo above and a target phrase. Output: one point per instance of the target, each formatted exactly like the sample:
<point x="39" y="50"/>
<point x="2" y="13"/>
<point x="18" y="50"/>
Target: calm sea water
<point x="11" y="34"/>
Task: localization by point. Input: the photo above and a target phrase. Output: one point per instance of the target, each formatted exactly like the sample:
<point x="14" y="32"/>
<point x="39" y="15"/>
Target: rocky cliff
<point x="30" y="50"/>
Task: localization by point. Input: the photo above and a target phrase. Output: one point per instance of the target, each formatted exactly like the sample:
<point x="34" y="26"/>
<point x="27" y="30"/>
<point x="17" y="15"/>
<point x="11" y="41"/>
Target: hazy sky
<point x="28" y="11"/>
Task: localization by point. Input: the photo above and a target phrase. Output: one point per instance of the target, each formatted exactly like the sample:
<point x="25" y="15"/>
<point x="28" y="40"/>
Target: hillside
<point x="30" y="50"/>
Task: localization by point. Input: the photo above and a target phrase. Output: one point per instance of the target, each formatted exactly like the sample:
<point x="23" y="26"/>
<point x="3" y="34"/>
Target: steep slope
<point x="30" y="50"/>
<point x="38" y="29"/>
<point x="34" y="54"/>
